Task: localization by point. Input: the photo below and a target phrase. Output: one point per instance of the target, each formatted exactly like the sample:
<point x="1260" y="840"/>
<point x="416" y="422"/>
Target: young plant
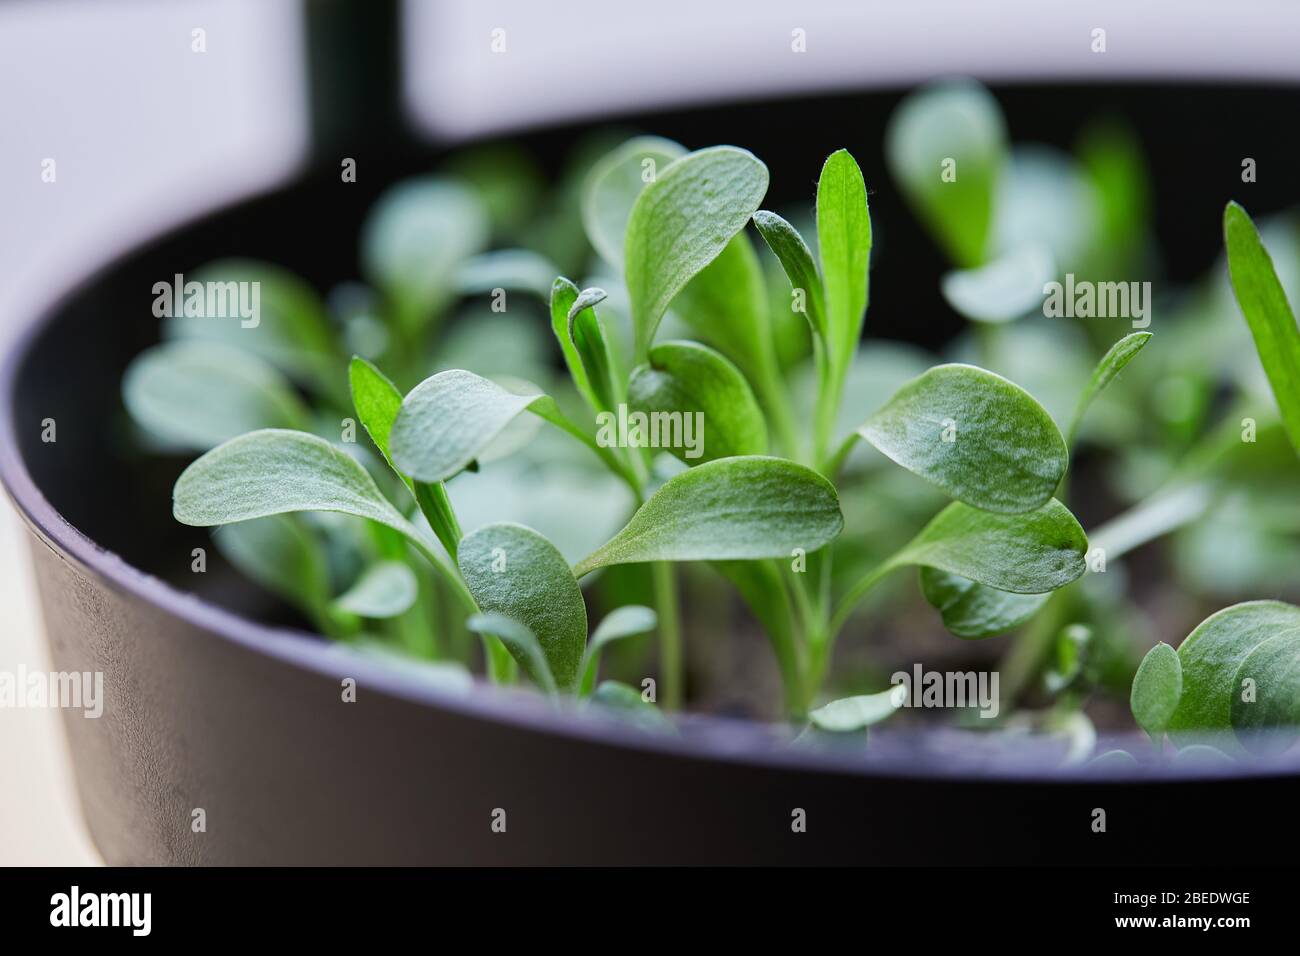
<point x="752" y="497"/>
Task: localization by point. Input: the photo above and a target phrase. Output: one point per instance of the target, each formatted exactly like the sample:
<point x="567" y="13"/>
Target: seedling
<point x="758" y="500"/>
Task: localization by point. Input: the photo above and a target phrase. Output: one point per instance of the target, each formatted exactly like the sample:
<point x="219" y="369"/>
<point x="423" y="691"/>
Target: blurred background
<point x="147" y="131"/>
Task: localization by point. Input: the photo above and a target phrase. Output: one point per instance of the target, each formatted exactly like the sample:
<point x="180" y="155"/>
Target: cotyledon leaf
<point x="1267" y="720"/>
<point x="857" y="713"/>
<point x="1211" y="657"/>
<point x="195" y="395"/>
<point x="729" y="509"/>
<point x="681" y="222"/>
<point x="627" y="621"/>
<point x="707" y="394"/>
<point x="946" y="147"/>
<point x="414" y="240"/>
<point x="613" y="185"/>
<point x="1001" y="290"/>
<point x="1029" y="553"/>
<point x="447" y="420"/>
<point x="979" y="437"/>
<point x="516" y="269"/>
<point x="277" y="471"/>
<point x="513" y="570"/>
<point x="280" y="554"/>
<point x="263" y="309"/>
<point x="520" y="641"/>
<point x="1157" y="686"/>
<point x="385" y="589"/>
<point x="726" y="307"/>
<point x="626" y="703"/>
<point x="972" y="610"/>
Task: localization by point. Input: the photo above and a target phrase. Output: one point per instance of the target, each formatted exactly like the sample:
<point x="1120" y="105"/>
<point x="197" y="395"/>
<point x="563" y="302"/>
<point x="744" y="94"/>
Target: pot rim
<point x="703" y="737"/>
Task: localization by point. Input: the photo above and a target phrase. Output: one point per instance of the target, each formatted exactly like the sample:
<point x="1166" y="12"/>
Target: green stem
<point x="822" y="642"/>
<point x="670" y="637"/>
<point x="856" y="594"/>
<point x="830" y="391"/>
<point x="433" y="501"/>
<point x="776" y="403"/>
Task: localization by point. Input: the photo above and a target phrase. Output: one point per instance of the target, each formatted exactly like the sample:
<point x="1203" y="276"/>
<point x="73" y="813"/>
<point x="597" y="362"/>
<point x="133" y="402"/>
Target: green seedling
<point x="369" y="539"/>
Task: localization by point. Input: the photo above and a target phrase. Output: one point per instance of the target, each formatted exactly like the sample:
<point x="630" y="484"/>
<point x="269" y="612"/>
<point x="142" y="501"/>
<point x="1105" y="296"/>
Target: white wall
<point x="142" y="130"/>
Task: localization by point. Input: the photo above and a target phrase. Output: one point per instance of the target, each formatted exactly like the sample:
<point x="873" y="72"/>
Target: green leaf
<point x="281" y="555"/>
<point x="1268" y="721"/>
<point x="1111" y="364"/>
<point x="447" y="420"/>
<point x="681" y="222"/>
<point x="1069" y="655"/>
<point x="850" y="714"/>
<point x="726" y="305"/>
<point x="620" y="700"/>
<point x="971" y="610"/>
<point x="953" y="128"/>
<point x="981" y="438"/>
<point x="729" y="509"/>
<point x="627" y="621"/>
<point x="688" y="379"/>
<point x="414" y="241"/>
<point x="274" y="471"/>
<point x="386" y="589"/>
<point x="563" y="295"/>
<point x="522" y="644"/>
<point x="377" y="402"/>
<point x="1157" y="686"/>
<point x="613" y="185"/>
<point x="1002" y="290"/>
<point x="589" y="339"/>
<point x="291" y="330"/>
<point x="513" y="570"/>
<point x="800" y="268"/>
<point x="194" y="396"/>
<point x="1029" y="553"/>
<point x="844" y="243"/>
<point x="1211" y="657"/>
<point x="510" y="269"/>
<point x="1263" y="302"/>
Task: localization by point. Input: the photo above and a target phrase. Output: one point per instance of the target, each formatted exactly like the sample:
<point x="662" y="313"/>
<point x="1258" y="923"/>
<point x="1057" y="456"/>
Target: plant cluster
<point x="826" y="463"/>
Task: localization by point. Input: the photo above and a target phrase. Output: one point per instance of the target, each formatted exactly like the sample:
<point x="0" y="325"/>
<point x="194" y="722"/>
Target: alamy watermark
<point x="683" y="430"/>
<point x="1098" y="300"/>
<point x="949" y="689"/>
<point x="128" y="910"/>
<point x="73" y="690"/>
<point x="209" y="300"/>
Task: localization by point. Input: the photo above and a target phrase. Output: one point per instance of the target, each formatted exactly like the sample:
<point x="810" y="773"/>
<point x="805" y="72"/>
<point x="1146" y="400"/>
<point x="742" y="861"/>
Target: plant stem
<point x="777" y="405"/>
<point x="856" y="594"/>
<point x="822" y="641"/>
<point x="830" y="390"/>
<point x="670" y="636"/>
<point x="433" y="501"/>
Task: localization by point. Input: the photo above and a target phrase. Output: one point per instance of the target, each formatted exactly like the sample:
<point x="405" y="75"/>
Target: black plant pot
<point x="207" y="706"/>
